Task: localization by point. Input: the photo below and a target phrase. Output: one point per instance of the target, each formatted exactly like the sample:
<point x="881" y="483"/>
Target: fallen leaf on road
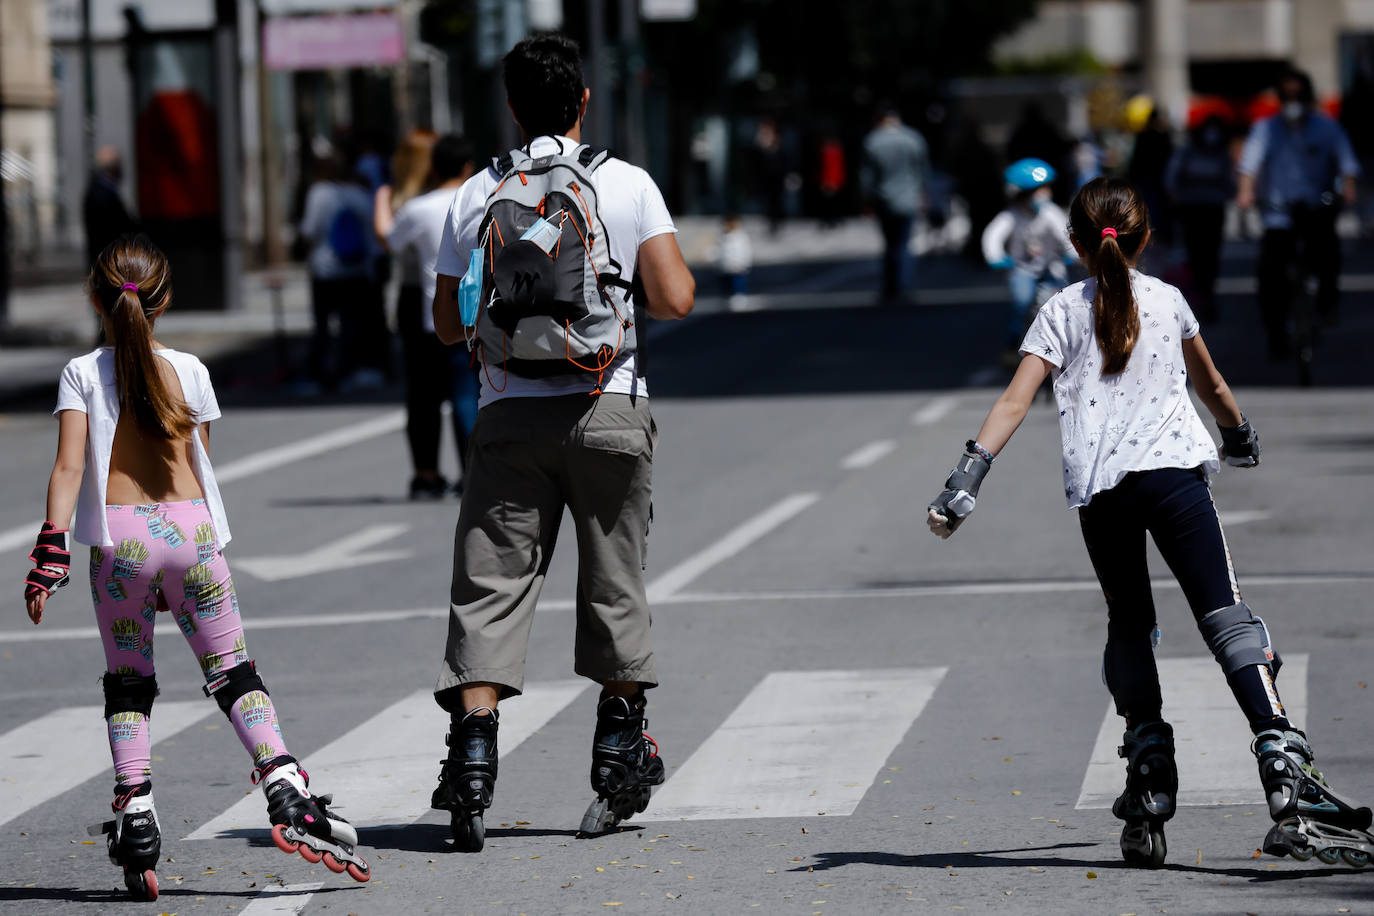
<point x="1092" y="875"/>
<point x="1258" y="853"/>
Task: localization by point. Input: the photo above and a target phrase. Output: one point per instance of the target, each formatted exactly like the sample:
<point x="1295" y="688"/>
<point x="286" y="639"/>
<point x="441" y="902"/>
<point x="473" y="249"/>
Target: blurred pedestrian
<point x="542" y="444"/>
<point x="895" y="178"/>
<point x="1029" y="240"/>
<point x="978" y="180"/>
<point x="1150" y="155"/>
<point x="337" y="226"/>
<point x="434" y="371"/>
<point x="1200" y="182"/>
<point x="734" y="257"/>
<point x="103" y="214"/>
<point x="770" y="165"/>
<point x="1035" y="136"/>
<point x="832" y="176"/>
<point x="1298" y="167"/>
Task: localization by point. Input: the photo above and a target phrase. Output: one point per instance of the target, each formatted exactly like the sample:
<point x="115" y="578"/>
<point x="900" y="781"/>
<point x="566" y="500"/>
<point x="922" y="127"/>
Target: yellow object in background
<point x="1136" y="113"/>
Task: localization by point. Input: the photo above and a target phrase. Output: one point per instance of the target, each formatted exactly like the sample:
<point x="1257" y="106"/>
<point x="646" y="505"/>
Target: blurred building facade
<point x="27" y="126"/>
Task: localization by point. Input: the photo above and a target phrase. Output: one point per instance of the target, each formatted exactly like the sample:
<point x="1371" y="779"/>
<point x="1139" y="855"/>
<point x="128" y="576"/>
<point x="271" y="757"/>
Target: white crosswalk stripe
<point x="776" y="755"/>
<point x="1211" y="738"/>
<point x="382" y="771"/>
<point x="57" y="752"/>
<point x="281" y="900"/>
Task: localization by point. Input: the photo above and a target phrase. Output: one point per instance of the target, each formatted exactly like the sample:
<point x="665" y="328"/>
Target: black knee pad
<point x="227" y="687"/>
<point x="1238" y="639"/>
<point x="129" y="693"/>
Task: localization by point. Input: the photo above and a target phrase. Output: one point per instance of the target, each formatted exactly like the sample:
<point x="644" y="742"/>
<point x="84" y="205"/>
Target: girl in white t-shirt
<point x="132" y="444"/>
<point x="1120" y="347"/>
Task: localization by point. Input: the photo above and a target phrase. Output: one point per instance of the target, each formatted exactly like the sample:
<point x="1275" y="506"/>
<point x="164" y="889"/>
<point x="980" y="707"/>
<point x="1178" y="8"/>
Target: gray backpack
<point x="555" y="302"/>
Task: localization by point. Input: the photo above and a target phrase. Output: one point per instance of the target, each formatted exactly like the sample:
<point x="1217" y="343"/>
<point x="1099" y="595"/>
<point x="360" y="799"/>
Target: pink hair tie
<point x="1109" y="231"/>
<point x="131" y="287"/>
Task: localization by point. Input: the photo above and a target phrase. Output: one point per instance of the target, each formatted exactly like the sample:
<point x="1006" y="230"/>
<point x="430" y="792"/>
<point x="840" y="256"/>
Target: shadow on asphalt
<point x="436" y="837"/>
<point x="166" y="888"/>
<point x="1014" y="858"/>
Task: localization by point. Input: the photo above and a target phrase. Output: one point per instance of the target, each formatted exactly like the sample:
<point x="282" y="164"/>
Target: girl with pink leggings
<point x="133" y="461"/>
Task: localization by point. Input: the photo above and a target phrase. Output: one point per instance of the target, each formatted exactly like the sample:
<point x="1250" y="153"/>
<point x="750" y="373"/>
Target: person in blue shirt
<point x="1297" y="167"/>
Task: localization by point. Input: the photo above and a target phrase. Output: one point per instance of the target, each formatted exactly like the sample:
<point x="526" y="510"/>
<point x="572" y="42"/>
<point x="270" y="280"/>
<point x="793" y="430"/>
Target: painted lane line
<point x="1242" y="517"/>
<point x="282" y="900"/>
<point x="730" y="545"/>
<point x="867" y="455"/>
<point x="935" y="411"/>
<point x="1211" y="738"/>
<point x="346" y="553"/>
<point x="381" y="771"/>
<point x="802" y="743"/>
<point x="556" y="605"/>
<point x="272" y="458"/>
<point x="55" y="753"/>
<point x="267" y="460"/>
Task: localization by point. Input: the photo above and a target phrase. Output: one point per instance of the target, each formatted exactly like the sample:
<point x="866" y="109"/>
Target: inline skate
<point x="1309" y="818"/>
<point x="467" y="778"/>
<point x="302" y="821"/>
<point x="625" y="764"/>
<point x="1149" y="798"/>
<point x="134" y="839"/>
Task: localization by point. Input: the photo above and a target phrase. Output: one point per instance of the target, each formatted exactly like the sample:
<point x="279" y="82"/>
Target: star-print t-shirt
<point x="1139" y="419"/>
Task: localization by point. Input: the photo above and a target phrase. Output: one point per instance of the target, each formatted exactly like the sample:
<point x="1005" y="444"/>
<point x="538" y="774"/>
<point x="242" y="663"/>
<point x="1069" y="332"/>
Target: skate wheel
<point x="332" y="863"/>
<point x="599" y="818"/>
<point x="1302" y="853"/>
<point x="469" y="833"/>
<point x="1355" y="858"/>
<point x="310" y="855"/>
<point x="359" y="872"/>
<point x="284" y="843"/>
<point x="142" y="885"/>
<point x="1329" y="855"/>
<point x="1159" y="849"/>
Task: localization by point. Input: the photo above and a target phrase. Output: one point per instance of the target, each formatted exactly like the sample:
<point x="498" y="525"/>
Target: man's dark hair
<point x="1306" y="94"/>
<point x="544" y="83"/>
<point x="451" y="154"/>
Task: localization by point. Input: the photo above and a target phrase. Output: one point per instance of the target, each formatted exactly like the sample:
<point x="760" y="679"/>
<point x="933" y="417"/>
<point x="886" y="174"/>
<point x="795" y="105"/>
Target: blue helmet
<point x="1029" y="174"/>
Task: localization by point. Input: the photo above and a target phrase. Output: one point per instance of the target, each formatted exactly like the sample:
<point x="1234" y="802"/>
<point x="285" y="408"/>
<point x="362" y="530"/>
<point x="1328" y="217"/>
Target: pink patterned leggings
<point x="167" y="557"/>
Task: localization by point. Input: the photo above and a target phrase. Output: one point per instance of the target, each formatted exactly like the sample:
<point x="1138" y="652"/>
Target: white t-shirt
<point x="633" y="210"/>
<point x="88" y="385"/>
<point x="1139" y="419"/>
<point x="416" y="233"/>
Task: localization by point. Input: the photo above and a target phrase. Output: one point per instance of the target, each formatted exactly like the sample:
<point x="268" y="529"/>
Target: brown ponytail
<point x="132" y="284"/>
<point x="1109" y="221"/>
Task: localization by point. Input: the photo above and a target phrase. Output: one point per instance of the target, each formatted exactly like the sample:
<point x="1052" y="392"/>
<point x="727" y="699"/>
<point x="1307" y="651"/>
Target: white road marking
<point x="935" y="411"/>
<point x="269" y="459"/>
<point x="57" y="752"/>
<point x="272" y="458"/>
<point x="870" y="454"/>
<point x="281" y="900"/>
<point x="1211" y="738"/>
<point x="730" y="545"/>
<point x="802" y="743"/>
<point x="381" y="772"/>
<point x="345" y="553"/>
<point x="288" y="621"/>
<point x="1242" y="517"/>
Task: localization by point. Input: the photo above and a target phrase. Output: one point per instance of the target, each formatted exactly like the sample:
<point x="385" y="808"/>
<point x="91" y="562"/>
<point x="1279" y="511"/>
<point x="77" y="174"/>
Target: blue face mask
<point x="470" y="290"/>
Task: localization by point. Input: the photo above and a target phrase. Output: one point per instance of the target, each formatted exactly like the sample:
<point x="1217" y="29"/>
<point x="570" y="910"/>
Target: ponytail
<point x="131" y="282"/>
<point x="1109" y="220"/>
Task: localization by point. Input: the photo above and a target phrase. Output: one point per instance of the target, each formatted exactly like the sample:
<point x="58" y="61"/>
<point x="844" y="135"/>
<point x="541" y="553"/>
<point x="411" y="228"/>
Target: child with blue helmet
<point x="1030" y="240"/>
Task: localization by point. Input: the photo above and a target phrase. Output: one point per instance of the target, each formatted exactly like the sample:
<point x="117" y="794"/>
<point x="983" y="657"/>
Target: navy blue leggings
<point x="1175" y="506"/>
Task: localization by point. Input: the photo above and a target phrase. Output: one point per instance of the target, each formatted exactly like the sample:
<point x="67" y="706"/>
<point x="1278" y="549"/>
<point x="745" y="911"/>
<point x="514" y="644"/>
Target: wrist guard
<point x="1240" y="445"/>
<point x="52" y="562"/>
<point x="956" y="501"/>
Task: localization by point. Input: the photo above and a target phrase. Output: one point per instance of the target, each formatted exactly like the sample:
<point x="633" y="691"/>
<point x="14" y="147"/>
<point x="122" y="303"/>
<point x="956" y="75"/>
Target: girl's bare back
<point x="146" y="469"/>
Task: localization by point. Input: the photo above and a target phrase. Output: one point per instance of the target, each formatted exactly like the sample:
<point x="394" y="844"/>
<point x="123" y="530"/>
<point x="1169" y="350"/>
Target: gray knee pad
<point x="129" y="693"/>
<point x="1238" y="639"/>
<point x="226" y="688"/>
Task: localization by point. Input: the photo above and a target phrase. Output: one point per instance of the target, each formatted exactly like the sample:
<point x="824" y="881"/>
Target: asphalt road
<point x="855" y="717"/>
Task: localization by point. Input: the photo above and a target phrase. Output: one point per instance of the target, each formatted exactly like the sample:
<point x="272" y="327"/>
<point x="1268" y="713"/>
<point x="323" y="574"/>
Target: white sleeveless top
<point x="88" y="385"/>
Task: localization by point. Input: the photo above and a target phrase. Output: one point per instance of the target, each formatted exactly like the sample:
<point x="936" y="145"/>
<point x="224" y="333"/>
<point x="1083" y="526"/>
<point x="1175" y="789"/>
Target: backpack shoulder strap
<point x="591" y="158"/>
<point x="503" y="164"/>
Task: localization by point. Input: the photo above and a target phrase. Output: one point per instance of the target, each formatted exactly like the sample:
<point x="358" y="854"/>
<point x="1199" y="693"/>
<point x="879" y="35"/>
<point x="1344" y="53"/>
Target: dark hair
<point x="132" y="284"/>
<point x="544" y="83"/>
<point x="1306" y="94"/>
<point x="450" y="155"/>
<point x="1115" y="204"/>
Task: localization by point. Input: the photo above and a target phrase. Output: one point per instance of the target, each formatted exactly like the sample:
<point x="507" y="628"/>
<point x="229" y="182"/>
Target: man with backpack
<point x="535" y="272"/>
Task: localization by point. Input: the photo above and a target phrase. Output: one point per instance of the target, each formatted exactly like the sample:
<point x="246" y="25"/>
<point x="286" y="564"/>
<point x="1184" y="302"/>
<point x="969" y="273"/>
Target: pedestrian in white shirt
<point x="1120" y="347"/>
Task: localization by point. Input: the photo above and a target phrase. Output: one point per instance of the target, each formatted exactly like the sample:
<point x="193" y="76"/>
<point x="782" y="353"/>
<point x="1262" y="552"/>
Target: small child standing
<point x="1121" y="347"/>
<point x="1029" y="239"/>
<point x="734" y="257"/>
<point x="133" y="460"/>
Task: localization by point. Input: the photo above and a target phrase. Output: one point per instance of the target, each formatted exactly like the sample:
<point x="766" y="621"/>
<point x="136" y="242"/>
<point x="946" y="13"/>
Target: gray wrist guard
<point x="956" y="501"/>
<point x="1240" y="444"/>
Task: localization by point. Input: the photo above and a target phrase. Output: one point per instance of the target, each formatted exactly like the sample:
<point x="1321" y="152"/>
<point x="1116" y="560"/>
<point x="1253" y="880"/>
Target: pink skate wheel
<point x="279" y="837"/>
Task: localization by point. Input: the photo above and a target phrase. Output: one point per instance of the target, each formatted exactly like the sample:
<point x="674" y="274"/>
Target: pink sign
<point x="332" y="42"/>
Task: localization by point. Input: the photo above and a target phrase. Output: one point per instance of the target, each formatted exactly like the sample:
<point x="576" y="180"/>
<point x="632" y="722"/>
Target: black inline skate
<point x="302" y="821"/>
<point x="467" y="778"/>
<point x="1149" y="798"/>
<point x="1309" y="818"/>
<point x="625" y="770"/>
<point x="134" y="839"/>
